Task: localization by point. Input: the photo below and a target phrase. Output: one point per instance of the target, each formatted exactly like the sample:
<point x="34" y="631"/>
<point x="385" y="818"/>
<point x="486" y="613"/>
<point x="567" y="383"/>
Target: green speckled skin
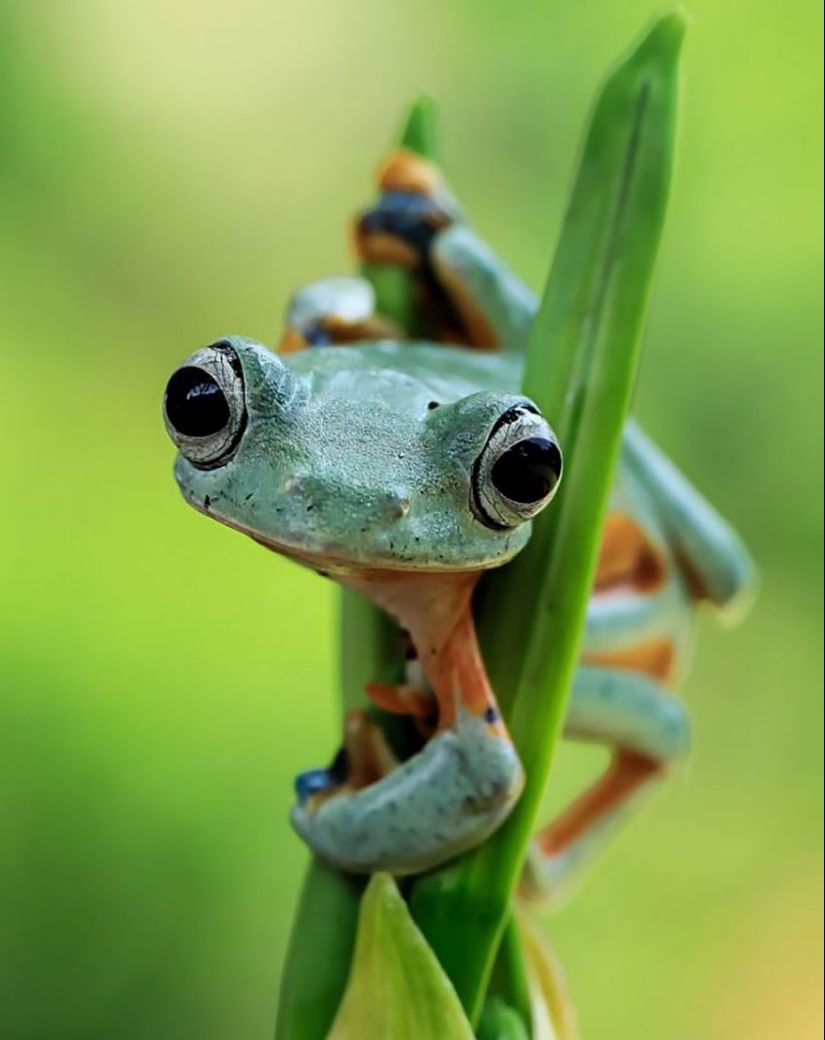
<point x="460" y="785"/>
<point x="359" y="461"/>
<point x="344" y="464"/>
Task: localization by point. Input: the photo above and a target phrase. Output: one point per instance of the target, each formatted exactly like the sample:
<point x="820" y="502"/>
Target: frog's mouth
<point x="391" y="551"/>
<point x="330" y="563"/>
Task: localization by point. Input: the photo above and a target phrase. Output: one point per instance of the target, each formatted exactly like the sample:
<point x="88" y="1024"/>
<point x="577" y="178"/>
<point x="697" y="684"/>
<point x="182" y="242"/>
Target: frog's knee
<point x="441" y="802"/>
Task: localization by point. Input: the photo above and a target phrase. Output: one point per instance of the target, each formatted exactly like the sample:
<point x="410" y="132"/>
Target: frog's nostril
<point x="196" y="406"/>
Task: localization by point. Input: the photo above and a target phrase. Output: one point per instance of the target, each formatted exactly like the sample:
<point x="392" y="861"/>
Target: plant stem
<point x="323" y="931"/>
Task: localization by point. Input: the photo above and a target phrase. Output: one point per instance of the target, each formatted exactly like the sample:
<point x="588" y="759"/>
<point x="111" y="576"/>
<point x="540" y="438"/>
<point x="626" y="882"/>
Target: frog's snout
<point x="204" y="406"/>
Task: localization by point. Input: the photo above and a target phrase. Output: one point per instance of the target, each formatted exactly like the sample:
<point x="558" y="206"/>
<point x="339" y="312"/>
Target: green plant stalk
<point x="323" y="931"/>
<point x="509" y="979"/>
<point x="580" y="370"/>
<point x="320" y="952"/>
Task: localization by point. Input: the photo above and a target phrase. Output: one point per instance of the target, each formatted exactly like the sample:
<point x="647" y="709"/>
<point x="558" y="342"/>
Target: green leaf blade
<point x="580" y="370"/>
<point x="396" y="988"/>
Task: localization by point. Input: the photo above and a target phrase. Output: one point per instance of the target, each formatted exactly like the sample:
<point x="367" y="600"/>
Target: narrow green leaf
<point x="420" y="131"/>
<point x="319" y="954"/>
<point x="580" y="370"/>
<point x="397" y="989"/>
<point x="510" y="977"/>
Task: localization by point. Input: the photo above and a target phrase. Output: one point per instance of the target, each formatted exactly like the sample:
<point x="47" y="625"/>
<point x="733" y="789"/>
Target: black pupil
<point x="195" y="404"/>
<point x="528" y="471"/>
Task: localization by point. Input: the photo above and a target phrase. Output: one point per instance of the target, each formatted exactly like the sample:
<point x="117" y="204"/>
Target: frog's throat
<point x="436" y="611"/>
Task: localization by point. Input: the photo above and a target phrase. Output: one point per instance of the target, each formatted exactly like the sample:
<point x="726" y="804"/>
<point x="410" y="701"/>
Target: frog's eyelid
<point x="489" y="503"/>
<point x="513" y="415"/>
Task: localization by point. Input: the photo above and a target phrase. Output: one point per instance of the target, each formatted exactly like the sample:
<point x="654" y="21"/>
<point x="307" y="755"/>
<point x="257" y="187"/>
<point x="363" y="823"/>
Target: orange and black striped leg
<point x="649" y="729"/>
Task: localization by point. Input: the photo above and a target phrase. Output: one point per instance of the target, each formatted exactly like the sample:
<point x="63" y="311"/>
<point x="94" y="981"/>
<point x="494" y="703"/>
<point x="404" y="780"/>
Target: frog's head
<point x="348" y="465"/>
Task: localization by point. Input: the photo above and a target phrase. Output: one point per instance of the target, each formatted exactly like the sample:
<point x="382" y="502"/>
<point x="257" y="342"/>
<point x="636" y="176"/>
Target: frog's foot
<point x="465" y="295"/>
<point x="445" y="799"/>
<point x="412" y="208"/>
<point x="334" y="311"/>
<point x="400" y="229"/>
<point x="314" y="782"/>
<point x="364" y="758"/>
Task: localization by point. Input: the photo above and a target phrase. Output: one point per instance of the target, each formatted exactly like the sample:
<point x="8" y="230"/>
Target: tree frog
<point x="404" y="464"/>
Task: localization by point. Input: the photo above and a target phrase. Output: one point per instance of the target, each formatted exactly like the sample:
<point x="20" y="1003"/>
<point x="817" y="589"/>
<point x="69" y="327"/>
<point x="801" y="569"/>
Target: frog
<point x="406" y="463"/>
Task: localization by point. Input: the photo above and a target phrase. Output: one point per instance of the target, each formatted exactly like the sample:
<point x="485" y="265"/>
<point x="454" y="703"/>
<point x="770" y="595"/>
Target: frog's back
<point x="445" y="373"/>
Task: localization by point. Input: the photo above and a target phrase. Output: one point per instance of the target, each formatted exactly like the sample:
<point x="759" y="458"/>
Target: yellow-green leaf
<point x="397" y="990"/>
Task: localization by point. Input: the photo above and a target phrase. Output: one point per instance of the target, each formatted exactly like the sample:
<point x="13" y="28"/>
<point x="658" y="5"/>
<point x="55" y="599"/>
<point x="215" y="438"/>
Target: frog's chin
<point x="334" y="562"/>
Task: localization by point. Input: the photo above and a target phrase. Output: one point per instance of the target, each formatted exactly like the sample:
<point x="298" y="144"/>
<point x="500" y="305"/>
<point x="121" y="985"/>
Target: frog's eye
<point x="204" y="406"/>
<point x="518" y="471"/>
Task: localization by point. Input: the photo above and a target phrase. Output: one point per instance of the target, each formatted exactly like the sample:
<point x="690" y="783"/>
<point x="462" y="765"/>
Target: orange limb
<point x="459" y="678"/>
<point x="476" y="331"/>
<point x="626" y="774"/>
<point x="627" y="558"/>
<point x="401" y="700"/>
<point x="656" y="658"/>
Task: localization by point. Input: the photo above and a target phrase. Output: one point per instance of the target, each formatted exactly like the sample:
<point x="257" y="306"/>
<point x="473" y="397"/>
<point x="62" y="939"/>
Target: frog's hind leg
<point x="649" y="730"/>
<point x="334" y="311"/>
<point x="716" y="565"/>
<point x="443" y="800"/>
<point x="467" y="295"/>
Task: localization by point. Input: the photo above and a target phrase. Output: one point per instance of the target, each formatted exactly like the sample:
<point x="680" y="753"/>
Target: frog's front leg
<point x="649" y="730"/>
<point x="445" y="799"/>
<point x="472" y="296"/>
<point x="334" y="311"/>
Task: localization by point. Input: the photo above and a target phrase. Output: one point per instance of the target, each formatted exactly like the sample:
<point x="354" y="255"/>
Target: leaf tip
<point x="663" y="40"/>
<point x="420" y="133"/>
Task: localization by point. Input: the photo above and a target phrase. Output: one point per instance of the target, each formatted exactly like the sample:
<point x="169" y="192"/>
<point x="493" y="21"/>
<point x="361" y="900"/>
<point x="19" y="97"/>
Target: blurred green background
<point x="168" y="173"/>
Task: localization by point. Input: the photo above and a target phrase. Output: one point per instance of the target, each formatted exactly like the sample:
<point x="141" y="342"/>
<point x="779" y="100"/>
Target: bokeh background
<point x="168" y="172"/>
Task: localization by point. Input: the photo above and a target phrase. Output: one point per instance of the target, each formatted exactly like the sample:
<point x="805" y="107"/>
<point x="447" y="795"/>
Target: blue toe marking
<point x="311" y="782"/>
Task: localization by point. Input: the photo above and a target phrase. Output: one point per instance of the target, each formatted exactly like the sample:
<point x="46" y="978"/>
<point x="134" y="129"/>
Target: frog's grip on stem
<point x="450" y="796"/>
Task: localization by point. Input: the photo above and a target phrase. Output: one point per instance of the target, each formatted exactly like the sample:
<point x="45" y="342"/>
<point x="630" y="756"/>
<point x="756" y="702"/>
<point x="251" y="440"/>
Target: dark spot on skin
<point x="322" y="574"/>
<point x="250" y="496"/>
<point x="410" y="653"/>
<point x="433" y="405"/>
<point x="490" y="715"/>
<point x="310" y="507"/>
<point x="207" y="502"/>
<point x="339" y="768"/>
